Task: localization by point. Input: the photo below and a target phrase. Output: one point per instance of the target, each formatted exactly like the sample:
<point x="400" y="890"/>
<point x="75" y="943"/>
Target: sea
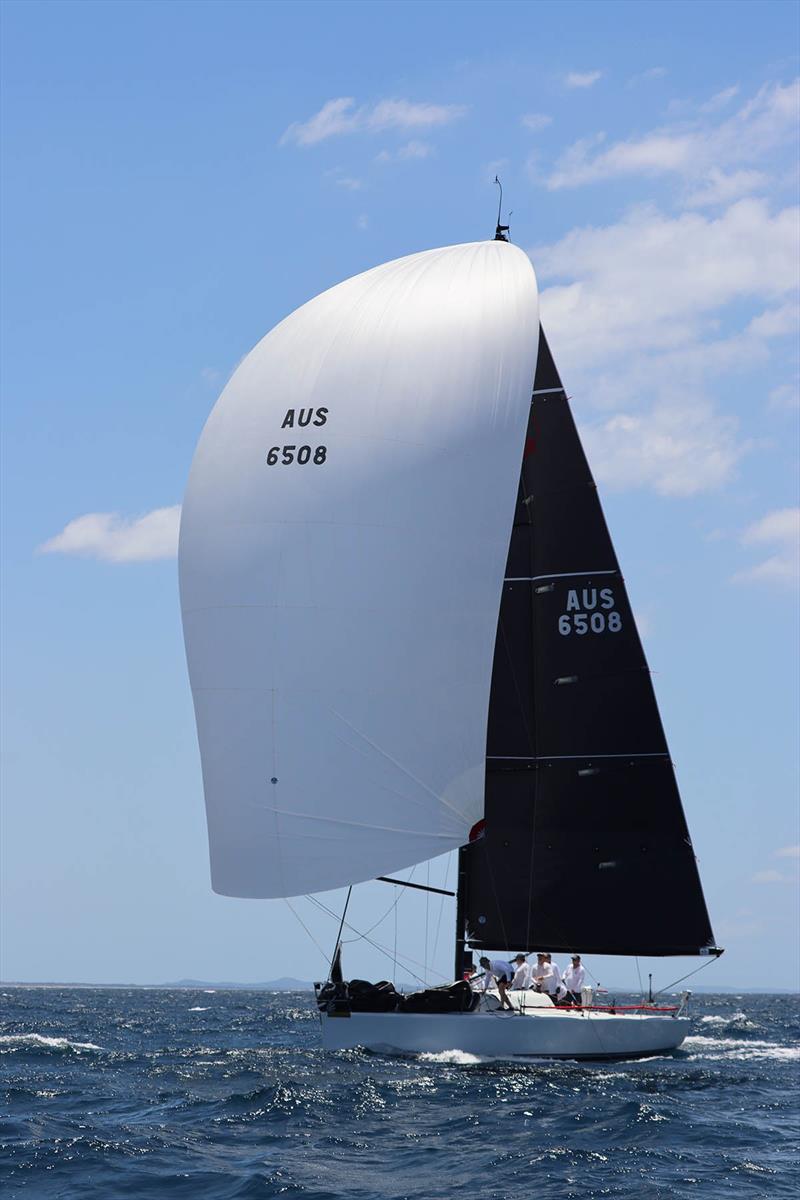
<point x="227" y="1095"/>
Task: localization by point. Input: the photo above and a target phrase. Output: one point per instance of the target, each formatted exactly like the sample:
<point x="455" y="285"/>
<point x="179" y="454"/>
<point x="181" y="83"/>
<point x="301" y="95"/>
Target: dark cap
<point x="574" y="956"/>
<point x="518" y="958"/>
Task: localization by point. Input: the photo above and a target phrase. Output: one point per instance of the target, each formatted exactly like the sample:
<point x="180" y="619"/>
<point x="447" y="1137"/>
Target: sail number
<point x="597" y="622"/>
<point x="590" y="610"/>
<point x="298" y="454"/>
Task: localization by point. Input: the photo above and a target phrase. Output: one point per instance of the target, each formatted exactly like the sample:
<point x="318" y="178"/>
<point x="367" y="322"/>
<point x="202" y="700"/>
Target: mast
<point x="461" y="916"/>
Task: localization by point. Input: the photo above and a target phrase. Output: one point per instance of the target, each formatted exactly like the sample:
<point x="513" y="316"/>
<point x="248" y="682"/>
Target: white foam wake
<point x="738" y="1019"/>
<point x="739" y="1048"/>
<point x="458" y="1058"/>
<point x="14" y="1040"/>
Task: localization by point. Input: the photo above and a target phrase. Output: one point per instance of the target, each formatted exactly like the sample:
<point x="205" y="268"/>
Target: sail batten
<point x="586" y="846"/>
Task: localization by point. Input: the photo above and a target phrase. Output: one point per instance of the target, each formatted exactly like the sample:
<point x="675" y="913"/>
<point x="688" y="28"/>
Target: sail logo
<point x="589" y="610"/>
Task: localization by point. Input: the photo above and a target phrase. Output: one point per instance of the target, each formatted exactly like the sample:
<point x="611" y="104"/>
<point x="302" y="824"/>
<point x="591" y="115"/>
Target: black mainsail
<point x="585" y="846"/>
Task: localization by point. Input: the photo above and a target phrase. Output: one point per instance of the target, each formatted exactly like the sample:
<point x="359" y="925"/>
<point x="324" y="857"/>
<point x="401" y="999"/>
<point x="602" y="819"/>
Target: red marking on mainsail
<point x="530" y="447"/>
<point x="477" y="831"/>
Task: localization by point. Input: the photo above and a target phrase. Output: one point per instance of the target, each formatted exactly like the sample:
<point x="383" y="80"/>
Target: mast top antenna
<point x="501" y="230"/>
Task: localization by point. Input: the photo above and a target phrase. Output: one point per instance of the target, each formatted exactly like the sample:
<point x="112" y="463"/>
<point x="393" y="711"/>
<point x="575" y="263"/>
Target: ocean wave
<point x="458" y="1058"/>
<point x="739" y="1048"/>
<point x="19" y="1041"/>
<point x="737" y="1020"/>
<point x="199" y="1008"/>
<point x="462" y="1058"/>
<point x="256" y="1108"/>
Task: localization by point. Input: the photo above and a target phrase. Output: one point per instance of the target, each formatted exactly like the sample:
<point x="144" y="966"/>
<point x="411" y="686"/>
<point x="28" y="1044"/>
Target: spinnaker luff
<point x="342" y="552"/>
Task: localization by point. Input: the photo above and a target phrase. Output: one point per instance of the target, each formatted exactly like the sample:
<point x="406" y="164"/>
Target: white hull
<point x="554" y="1033"/>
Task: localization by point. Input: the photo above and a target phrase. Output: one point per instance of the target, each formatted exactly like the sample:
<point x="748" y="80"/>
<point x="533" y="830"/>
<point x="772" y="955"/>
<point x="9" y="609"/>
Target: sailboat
<point x="407" y="633"/>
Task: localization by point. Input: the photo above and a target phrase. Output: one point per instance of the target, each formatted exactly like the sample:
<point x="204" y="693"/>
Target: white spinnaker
<point x="340" y="616"/>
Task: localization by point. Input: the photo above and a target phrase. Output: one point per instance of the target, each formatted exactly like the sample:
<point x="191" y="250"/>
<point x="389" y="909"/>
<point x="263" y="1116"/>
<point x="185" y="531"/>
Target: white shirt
<point x="574" y="977"/>
<point x="496" y="968"/>
<point x="543" y="973"/>
<point x="557" y="974"/>
<point x="522" y="977"/>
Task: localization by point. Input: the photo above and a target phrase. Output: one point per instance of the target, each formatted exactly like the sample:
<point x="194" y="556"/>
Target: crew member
<point x="573" y="979"/>
<point x="522" y="973"/>
<point x="497" y="970"/>
<point x="543" y="977"/>
<point x="559" y="991"/>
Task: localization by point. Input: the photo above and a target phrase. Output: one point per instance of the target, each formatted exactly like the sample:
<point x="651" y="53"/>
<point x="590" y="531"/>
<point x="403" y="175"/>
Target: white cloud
<point x="697" y="150"/>
<point x="626" y="286"/>
<point x="341" y="116"/>
<point x="578" y="79"/>
<point x="634" y="310"/>
<point x="677" y="449"/>
<point x="785" y="397"/>
<point x="535" y="121"/>
<point x="349" y="183"/>
<point x="402" y="114"/>
<point x="788" y="852"/>
<point x="778" y="568"/>
<point x="415" y="149"/>
<point x="770" y="876"/>
<point x="721" y="188"/>
<point x="113" y="538"/>
<point x="720" y="99"/>
<point x="335" y="117"/>
<point x="339" y="176"/>
<point x="776" y="322"/>
<point x="411" y="150"/>
<point x="780" y="526"/>
<point x="779" y="530"/>
<point x="362" y="221"/>
<point x="645" y="76"/>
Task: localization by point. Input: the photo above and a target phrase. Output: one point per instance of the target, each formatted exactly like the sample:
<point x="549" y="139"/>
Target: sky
<point x="178" y="177"/>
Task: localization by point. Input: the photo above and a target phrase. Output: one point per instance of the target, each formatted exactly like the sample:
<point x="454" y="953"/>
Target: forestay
<point x="342" y="550"/>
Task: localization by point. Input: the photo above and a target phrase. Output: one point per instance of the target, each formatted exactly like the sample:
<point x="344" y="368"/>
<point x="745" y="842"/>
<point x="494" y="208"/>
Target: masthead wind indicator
<point x="501" y="230"/>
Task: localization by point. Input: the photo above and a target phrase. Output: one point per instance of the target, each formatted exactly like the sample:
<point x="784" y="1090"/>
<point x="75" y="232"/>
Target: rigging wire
<point x="702" y="967"/>
<point x="392" y="907"/>
<point x="376" y="945"/>
<point x="427" y="912"/>
<point x="338" y="942"/>
<point x="308" y="931"/>
<point x="394" y="958"/>
<point x="639" y="973"/>
<point x="532" y="680"/>
<point x="441" y="904"/>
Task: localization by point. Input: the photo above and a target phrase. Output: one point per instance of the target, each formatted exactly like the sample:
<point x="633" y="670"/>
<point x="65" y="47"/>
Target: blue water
<point x="215" y="1095"/>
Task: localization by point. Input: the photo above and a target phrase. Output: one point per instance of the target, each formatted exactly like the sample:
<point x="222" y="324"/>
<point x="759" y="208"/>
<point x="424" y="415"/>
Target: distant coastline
<point x="288" y="984"/>
<point x="284" y="984"/>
